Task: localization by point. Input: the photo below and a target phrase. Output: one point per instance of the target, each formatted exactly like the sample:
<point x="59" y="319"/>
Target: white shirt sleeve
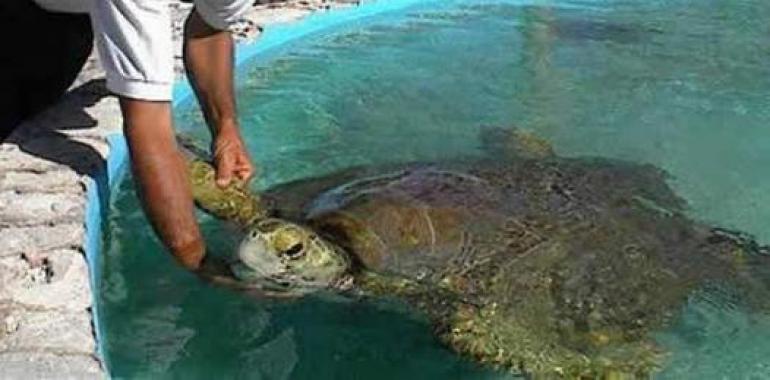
<point x="221" y="14"/>
<point x="135" y="42"/>
<point x="135" y="45"/>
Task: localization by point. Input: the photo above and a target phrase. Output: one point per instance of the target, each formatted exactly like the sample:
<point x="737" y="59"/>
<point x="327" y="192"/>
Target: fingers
<point x="225" y="168"/>
<point x="244" y="170"/>
<point x="232" y="162"/>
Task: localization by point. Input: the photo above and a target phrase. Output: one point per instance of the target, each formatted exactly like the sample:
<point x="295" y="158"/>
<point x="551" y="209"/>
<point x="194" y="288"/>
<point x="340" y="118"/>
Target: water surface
<point x="684" y="85"/>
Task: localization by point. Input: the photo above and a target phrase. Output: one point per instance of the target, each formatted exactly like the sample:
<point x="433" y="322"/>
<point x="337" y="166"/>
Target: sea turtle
<point x="546" y="265"/>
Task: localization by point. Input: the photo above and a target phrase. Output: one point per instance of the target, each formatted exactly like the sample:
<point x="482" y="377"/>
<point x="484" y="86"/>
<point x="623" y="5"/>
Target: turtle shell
<point x="542" y="264"/>
<point x="561" y="265"/>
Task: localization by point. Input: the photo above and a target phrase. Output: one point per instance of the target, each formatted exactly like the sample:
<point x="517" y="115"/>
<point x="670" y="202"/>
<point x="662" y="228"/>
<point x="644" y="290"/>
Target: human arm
<point x="161" y="176"/>
<point x="208" y="56"/>
<point x="134" y="41"/>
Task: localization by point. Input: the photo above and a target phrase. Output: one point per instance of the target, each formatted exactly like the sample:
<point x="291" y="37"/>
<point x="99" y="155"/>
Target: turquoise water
<point x="684" y="85"/>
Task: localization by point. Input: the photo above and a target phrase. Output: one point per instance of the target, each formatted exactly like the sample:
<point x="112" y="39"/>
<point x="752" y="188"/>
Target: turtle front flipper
<point x="524" y="344"/>
<point x="234" y="202"/>
<point x="513" y="143"/>
<point x="530" y="347"/>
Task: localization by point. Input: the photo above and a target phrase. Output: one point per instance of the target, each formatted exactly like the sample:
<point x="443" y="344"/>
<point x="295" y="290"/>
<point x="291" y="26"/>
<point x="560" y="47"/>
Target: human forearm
<point x="162" y="182"/>
<point x="208" y="55"/>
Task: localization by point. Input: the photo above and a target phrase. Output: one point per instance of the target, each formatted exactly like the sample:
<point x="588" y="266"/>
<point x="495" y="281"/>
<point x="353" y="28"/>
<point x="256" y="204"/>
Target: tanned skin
<point x="158" y="166"/>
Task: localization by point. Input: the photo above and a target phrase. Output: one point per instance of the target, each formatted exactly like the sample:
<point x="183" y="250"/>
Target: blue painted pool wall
<point x="99" y="188"/>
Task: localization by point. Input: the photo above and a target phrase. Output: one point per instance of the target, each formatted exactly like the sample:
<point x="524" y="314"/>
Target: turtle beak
<point x="255" y="254"/>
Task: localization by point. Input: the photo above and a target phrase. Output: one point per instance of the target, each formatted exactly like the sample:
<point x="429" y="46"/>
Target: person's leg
<point x="44" y="53"/>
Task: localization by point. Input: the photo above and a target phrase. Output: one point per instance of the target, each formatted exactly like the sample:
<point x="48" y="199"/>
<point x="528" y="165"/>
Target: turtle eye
<point x="294" y="252"/>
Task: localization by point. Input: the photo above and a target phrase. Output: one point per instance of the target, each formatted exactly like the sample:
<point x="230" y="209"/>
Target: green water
<point x="684" y="85"/>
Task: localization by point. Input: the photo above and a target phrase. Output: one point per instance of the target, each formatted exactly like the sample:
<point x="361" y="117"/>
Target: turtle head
<point x="287" y="257"/>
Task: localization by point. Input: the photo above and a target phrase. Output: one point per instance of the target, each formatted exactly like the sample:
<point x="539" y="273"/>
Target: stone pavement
<point x="46" y="329"/>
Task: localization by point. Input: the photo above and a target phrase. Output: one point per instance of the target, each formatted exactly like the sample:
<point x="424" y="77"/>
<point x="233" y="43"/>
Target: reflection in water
<point x="677" y="84"/>
<point x="158" y="339"/>
<point x="601" y="30"/>
<point x="273" y="360"/>
<point x="542" y="94"/>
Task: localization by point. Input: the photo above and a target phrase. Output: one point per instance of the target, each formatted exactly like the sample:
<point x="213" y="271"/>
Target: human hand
<point x="216" y="270"/>
<point x="231" y="159"/>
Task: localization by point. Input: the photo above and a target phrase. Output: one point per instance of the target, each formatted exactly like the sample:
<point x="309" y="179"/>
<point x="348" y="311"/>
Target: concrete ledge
<point x="46" y="301"/>
<point x="44" y="366"/>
